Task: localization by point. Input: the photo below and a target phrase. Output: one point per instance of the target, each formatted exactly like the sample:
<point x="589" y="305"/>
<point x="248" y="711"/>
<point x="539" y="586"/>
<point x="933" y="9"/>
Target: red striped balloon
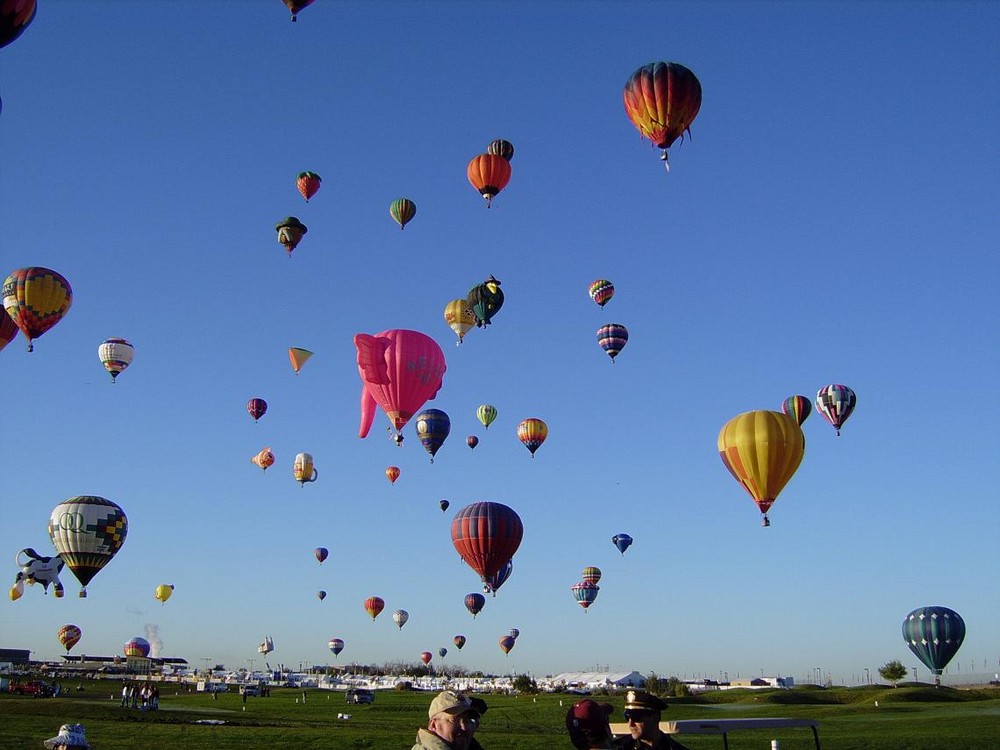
<point x="486" y="535"/>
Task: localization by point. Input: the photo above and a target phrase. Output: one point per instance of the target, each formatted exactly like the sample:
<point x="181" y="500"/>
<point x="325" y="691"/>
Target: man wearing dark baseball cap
<point x="588" y="725"/>
<point x="642" y="712"/>
<point x="452" y="720"/>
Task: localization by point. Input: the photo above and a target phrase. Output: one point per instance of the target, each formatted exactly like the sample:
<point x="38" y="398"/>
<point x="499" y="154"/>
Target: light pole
<point x="868" y="676"/>
<point x="914" y="674"/>
<point x="819" y="676"/>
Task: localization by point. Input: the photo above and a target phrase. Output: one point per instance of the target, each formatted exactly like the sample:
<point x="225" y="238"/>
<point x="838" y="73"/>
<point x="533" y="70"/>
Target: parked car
<point x="35" y="688"/>
<point x="360" y="696"/>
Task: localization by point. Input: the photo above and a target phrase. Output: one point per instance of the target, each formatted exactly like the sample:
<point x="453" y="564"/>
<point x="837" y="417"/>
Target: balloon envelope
<point x="532" y="433"/>
<point x="257" y="407"/>
<point x="797" y="407"/>
<point x="263" y="459"/>
<point x="474" y="603"/>
<point x="489" y="174"/>
<point x="426" y="657"/>
<point x="495" y="581"/>
<point x="392" y="473"/>
<point x="303" y="469"/>
<point x="612" y="338"/>
<point x="87" y="532"/>
<point x="36" y="299"/>
<point x="622" y="542"/>
<point x="601" y="291"/>
<point x="137" y="647"/>
<point x="14" y="19"/>
<point x="163" y="592"/>
<point x="585" y="593"/>
<point x="592" y="574"/>
<point x="506" y="643"/>
<point x="486" y="413"/>
<point x="321" y="595"/>
<point x="934" y="635"/>
<point x="308" y="184"/>
<point x="486" y="535"/>
<point x="400" y="616"/>
<point x="115" y="355"/>
<point x="433" y="427"/>
<point x="662" y="99"/>
<point x="459" y="641"/>
<point x="298" y="357"/>
<point x="501" y="148"/>
<point x="336" y="645"/>
<point x="374" y="605"/>
<point x="69" y="636"/>
<point x="460" y="318"/>
<point x="321" y="553"/>
<point x="836" y="403"/>
<point x="443" y="505"/>
<point x="442" y="652"/>
<point x="402" y="211"/>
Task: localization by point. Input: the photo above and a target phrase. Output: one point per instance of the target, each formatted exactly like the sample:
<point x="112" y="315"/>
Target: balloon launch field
<point x="907" y="718"/>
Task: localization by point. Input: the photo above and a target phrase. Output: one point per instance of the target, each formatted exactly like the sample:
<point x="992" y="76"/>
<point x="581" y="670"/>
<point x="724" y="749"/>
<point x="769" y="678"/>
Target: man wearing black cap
<point x="642" y="712"/>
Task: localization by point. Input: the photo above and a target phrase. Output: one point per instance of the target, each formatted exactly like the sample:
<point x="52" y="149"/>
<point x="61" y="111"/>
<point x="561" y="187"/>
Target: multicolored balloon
<point x="374" y="605"/>
<point x="592" y="574"/>
<point x="321" y="553"/>
<point x="460" y="318"/>
<point x="163" y="592"/>
<point x="298" y="357"/>
<point x="836" y="403"/>
<point x="336" y="645"/>
<point x="87" y="532"/>
<point x="762" y="449"/>
<point x="35" y="568"/>
<point x="8" y="329"/>
<point x="489" y="174"/>
<point x="934" y="635"/>
<point x="138" y="647"/>
<point x="585" y="593"/>
<point x="485" y="299"/>
<point x="459" y="641"/>
<point x="622" y="542"/>
<point x="662" y="99"/>
<point x="257" y="408"/>
<point x="472" y="441"/>
<point x="501" y="148"/>
<point x="36" y="299"/>
<point x="498" y="579"/>
<point x="486" y="413"/>
<point x="263" y="459"/>
<point x="506" y="643"/>
<point x="486" y="535"/>
<point x="303" y="469"/>
<point x="400" y="370"/>
<point x="797" y="407"/>
<point x="290" y="233"/>
<point x="433" y="427"/>
<point x="402" y="210"/>
<point x="69" y="636"/>
<point x="400" y="616"/>
<point x="115" y="355"/>
<point x="532" y="433"/>
<point x="308" y="184"/>
<point x="392" y="473"/>
<point x="612" y="337"/>
<point x="601" y="291"/>
<point x="474" y="603"/>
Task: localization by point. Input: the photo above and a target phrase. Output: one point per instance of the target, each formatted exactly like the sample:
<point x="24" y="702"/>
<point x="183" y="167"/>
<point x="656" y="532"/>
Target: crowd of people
<point x="145" y="696"/>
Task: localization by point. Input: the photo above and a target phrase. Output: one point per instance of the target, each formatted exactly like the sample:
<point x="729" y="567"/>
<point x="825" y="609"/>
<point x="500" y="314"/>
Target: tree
<point x="525" y="684"/>
<point x="893" y="671"/>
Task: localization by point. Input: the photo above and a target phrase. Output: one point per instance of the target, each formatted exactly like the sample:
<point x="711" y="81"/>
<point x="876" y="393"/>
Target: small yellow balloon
<point x="164" y="591"/>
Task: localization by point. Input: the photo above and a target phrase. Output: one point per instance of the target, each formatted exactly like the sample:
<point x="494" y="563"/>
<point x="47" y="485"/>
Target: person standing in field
<point x="588" y="725"/>
<point x="642" y="712"/>
<point x="452" y="722"/>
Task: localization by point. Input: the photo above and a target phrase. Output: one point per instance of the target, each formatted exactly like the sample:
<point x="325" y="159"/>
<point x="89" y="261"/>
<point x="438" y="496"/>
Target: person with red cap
<point x="588" y="725"/>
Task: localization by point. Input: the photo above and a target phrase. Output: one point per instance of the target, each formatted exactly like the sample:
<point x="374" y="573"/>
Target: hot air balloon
<point x="486" y="413"/>
<point x="489" y="174"/>
<point x="532" y="433"/>
<point x="472" y="441"/>
<point x="290" y="233"/>
<point x="459" y="316"/>
<point x="374" y="605"/>
<point x="392" y="473"/>
<point x="585" y="593"/>
<point x="426" y="657"/>
<point x="295" y="6"/>
<point x="662" y="99"/>
<point x="69" y="636"/>
<point x="506" y="643"/>
<point x="400" y="616"/>
<point x="443" y="505"/>
<point x="485" y="299"/>
<point x="321" y="553"/>
<point x="442" y="652"/>
<point x="934" y="634"/>
<point x="400" y="370"/>
<point x="501" y="148"/>
<point x="433" y="426"/>
<point x="601" y="291"/>
<point x="797" y="407"/>
<point x="138" y="647"/>
<point x="8" y="328"/>
<point x="303" y="469"/>
<point x="321" y="595"/>
<point x="486" y="535"/>
<point x="266" y="646"/>
<point x="35" y="568"/>
<point x="36" y="299"/>
<point x="475" y="603"/>
<point x="298" y="357"/>
<point x="336" y="645"/>
<point x="163" y="592"/>
<point x="87" y="532"/>
<point x="836" y="403"/>
<point x="459" y="641"/>
<point x="402" y="210"/>
<point x="14" y="19"/>
<point x="257" y="407"/>
<point x="308" y="184"/>
<point x="263" y="459"/>
<point x="622" y="542"/>
<point x="612" y="337"/>
<point x="115" y="355"/>
<point x="592" y="574"/>
<point x="514" y="633"/>
<point x="498" y="579"/>
<point x="762" y="450"/>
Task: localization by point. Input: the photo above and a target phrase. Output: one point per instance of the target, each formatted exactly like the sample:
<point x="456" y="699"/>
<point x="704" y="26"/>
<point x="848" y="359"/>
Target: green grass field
<point x="907" y="717"/>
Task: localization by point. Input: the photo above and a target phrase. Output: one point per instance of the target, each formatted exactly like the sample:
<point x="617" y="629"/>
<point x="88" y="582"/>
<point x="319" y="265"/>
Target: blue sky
<point x="833" y="219"/>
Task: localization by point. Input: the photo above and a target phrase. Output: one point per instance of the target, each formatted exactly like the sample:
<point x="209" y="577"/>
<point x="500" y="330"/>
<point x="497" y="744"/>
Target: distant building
<point x="593" y="680"/>
<point x="14" y="657"/>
